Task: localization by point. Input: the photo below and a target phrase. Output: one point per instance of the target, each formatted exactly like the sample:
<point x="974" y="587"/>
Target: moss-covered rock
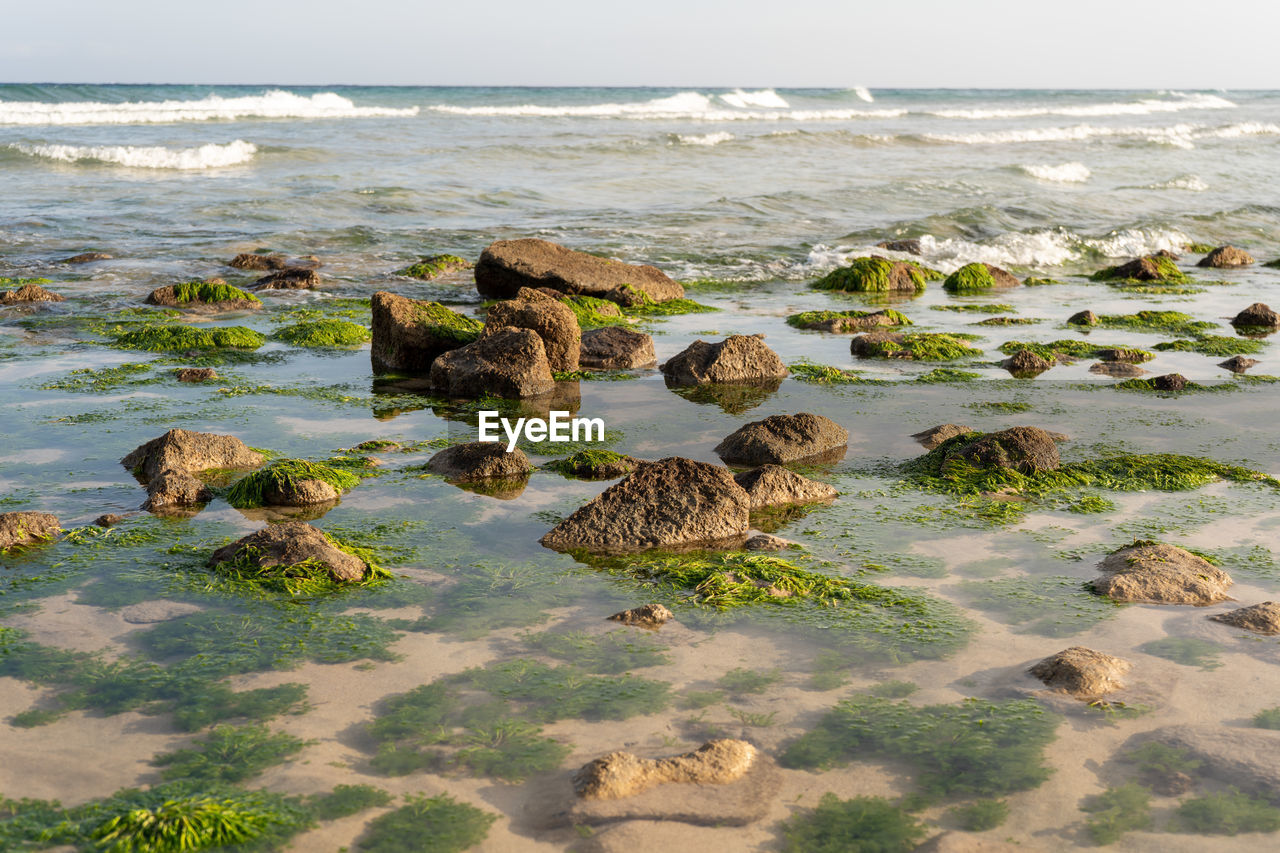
<point x="977" y="277"/>
<point x="433" y="266"/>
<point x="874" y="275"/>
<point x="409" y="334"/>
<point x="323" y="333"/>
<point x="918" y="346"/>
<point x="847" y="321"/>
<point x="211" y="295"/>
<point x="175" y="338"/>
<point x="1157" y="268"/>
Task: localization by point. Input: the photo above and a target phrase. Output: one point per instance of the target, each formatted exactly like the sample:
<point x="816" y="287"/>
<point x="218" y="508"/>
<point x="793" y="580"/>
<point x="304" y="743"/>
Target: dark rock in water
<point x="773" y="485"/>
<point x="1082" y="673"/>
<point x="1170" y="382"/>
<point x="290" y="492"/>
<point x="29" y="293"/>
<point x="1238" y="363"/>
<point x="782" y="439"/>
<point x="480" y="460"/>
<point x="289" y="278"/>
<point x="616" y="348"/>
<point x="1026" y="364"/>
<point x="259" y="263"/>
<point x="173" y="487"/>
<point x="674" y="502"/>
<point x="738" y="359"/>
<point x="289" y="544"/>
<point x="648" y="616"/>
<point x="1026" y="449"/>
<point x="1226" y="256"/>
<point x="620" y="774"/>
<point x="109" y="519"/>
<point x="409" y="334"/>
<point x="934" y="436"/>
<point x="504" y="363"/>
<point x="1246" y="759"/>
<point x="1124" y="355"/>
<point x="86" y="257"/>
<point x="195" y="374"/>
<point x="1083" y="318"/>
<point x="508" y="265"/>
<point x="766" y="542"/>
<point x="27" y="528"/>
<point x="1117" y="369"/>
<point x="864" y="346"/>
<point x="1261" y="618"/>
<point x="549" y="318"/>
<point x="1257" y="314"/>
<point x="1139" y="269"/>
<point x="1166" y="253"/>
<point x="977" y="277"/>
<point x="911" y="246"/>
<point x="183" y="450"/>
<point x="1155" y="573"/>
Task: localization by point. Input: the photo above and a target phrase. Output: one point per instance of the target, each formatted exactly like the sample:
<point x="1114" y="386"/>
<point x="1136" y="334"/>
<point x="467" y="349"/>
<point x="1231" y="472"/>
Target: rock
<point x="151" y="612"/>
<point x="596" y="465"/>
<point x="1248" y="759"/>
<point x="740" y="359"/>
<point x="673" y="502"/>
<point x="508" y="265"/>
<point x="1124" y="355"/>
<point x="109" y="519"/>
<point x="1155" y="573"/>
<point x="1117" y="369"/>
<point x="967" y="842"/>
<point x="1257" y="314"/>
<point x="480" y="460"/>
<point x="766" y="542"/>
<point x="288" y="492"/>
<point x="289" y="278"/>
<point x="173" y="487"/>
<point x="911" y="246"/>
<point x="27" y="528"/>
<point x="1261" y="618"/>
<point x="505" y="363"/>
<point x="616" y="348"/>
<point x="1238" y="363"/>
<point x="621" y="774"/>
<point x="647" y="616"/>
<point x="289" y="544"/>
<point x="1083" y="318"/>
<point x="1226" y="256"/>
<point x="782" y="439"/>
<point x="773" y="485"/>
<point x="1082" y="673"/>
<point x="979" y="276"/>
<point x="410" y="334"/>
<point x="863" y="346"/>
<point x="86" y="257"/>
<point x="195" y="374"/>
<point x="1024" y="364"/>
<point x="549" y="318"/>
<point x="1170" y="382"/>
<point x="431" y="267"/>
<point x="167" y="297"/>
<point x="850" y="323"/>
<point x="29" y="293"/>
<point x="1139" y="269"/>
<point x="935" y="436"/>
<point x="1027" y="449"/>
<point x="188" y="451"/>
<point x="254" y="261"/>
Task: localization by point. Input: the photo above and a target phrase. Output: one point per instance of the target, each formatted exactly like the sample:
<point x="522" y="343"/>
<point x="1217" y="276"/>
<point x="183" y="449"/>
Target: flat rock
<point x="1248" y="759"/>
<point x="738" y="359"/>
<point x="1238" y="363"/>
<point x="150" y="612"/>
<point x="549" y="318"/>
<point x="508" y="265"/>
<point x="850" y="323"/>
<point x="27" y="527"/>
<point x="29" y="293"/>
<point x="505" y="363"/>
<point x="409" y="334"/>
<point x="1123" y="355"/>
<point x="174" y="487"/>
<point x="288" y="544"/>
<point x="1155" y="573"/>
<point x="195" y="374"/>
<point x="673" y="502"/>
<point x="290" y="278"/>
<point x="621" y="774"/>
<point x="1082" y="673"/>
<point x="480" y="460"/>
<point x="766" y="542"/>
<point x="935" y="436"/>
<point x="87" y="257"/>
<point x="184" y="450"/>
<point x="1026" y="449"/>
<point x="1261" y="618"/>
<point x="616" y="348"/>
<point x="1224" y="257"/>
<point x="1116" y="369"/>
<point x="783" y="439"/>
<point x="646" y="616"/>
<point x="773" y="485"/>
<point x="1257" y="314"/>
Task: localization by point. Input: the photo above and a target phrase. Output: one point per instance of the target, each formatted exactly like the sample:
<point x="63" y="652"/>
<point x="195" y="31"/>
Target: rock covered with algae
<point x="1156" y="573"/>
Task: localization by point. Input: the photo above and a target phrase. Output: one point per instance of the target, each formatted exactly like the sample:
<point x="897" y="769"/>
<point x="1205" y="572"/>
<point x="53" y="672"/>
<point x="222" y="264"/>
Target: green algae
<point x="947" y="374"/>
<point x="283" y="475"/>
<point x="1040" y="282"/>
<point x="823" y="374"/>
<point x="447" y="324"/>
<point x="867" y="275"/>
<point x="1215" y="345"/>
<point x="742" y="681"/>
<point x="436" y="824"/>
<point x="805" y="319"/>
<point x="923" y="346"/>
<point x="1198" y="248"/>
<point x="228" y="754"/>
<point x="669" y="307"/>
<point x="1117" y="811"/>
<point x="611" y="653"/>
<point x="856" y="825"/>
<point x="346" y="800"/>
<point x="587" y="463"/>
<point x="208" y="292"/>
<point x="980" y="815"/>
<point x="1149" y="386"/>
<point x="1226" y="814"/>
<point x="594" y="313"/>
<point x="7" y="281"/>
<point x="1166" y="270"/>
<point x="969" y="278"/>
<point x="433" y="266"/>
<point x="1045" y="606"/>
<point x="1268" y="718"/>
<point x="985" y="308"/>
<point x="893" y="689"/>
<point x="1075" y="348"/>
<point x="1170" y="322"/>
<point x="323" y="333"/>
<point x="1188" y="651"/>
<point x="101" y="380"/>
<point x="172" y="338"/>
<point x="1009" y="321"/>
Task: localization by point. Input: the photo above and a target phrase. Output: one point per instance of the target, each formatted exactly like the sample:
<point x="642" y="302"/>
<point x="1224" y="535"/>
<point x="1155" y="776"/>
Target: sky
<point x="1122" y="44"/>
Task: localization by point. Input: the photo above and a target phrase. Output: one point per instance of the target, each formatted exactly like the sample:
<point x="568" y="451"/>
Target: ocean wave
<point x="1192" y="183"/>
<point x="275" y="104"/>
<point x="863" y="93"/>
<point x="1178" y="134"/>
<point x="1063" y="173"/>
<point x="147" y="157"/>
<point x="1250" y="128"/>
<point x="1147" y="106"/>
<point x="691" y="105"/>
<point x="764" y="98"/>
<point x="705" y="139"/>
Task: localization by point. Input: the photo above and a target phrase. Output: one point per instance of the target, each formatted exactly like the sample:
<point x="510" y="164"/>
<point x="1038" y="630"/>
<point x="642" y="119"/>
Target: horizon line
<point x="649" y="86"/>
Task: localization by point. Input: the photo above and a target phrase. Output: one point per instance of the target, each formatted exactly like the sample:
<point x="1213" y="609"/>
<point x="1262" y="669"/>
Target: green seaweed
<point x="1074" y="348"/>
<point x="436" y="824"/>
<point x="594" y="313"/>
<point x="346" y="800"/>
<point x="1117" y="811"/>
<point x="668" y="307"/>
<point x="610" y="653"/>
<point x="1040" y="282"/>
<point x="969" y="278"/>
<point x="1170" y="322"/>
<point x="980" y="815"/>
<point x="431" y="266"/>
<point x="173" y="338"/>
<point x="982" y="308"/>
<point x="323" y="333"/>
<point x="807" y="318"/>
<point x="229" y="754"/>
<point x="857" y="825"/>
<point x="1188" y="651"/>
<point x="922" y="346"/>
<point x="1048" y="606"/>
<point x="893" y="689"/>
<point x="586" y="463"/>
<point x="1227" y="814"/>
<point x="1215" y="345"/>
<point x="867" y="275"/>
<point x="742" y="681"/>
<point x="209" y="292"/>
<point x="1009" y="321"/>
<point x="1148" y="385"/>
<point x="822" y="374"/>
<point x="1268" y="718"/>
<point x="947" y="374"/>
<point x="283" y="475"/>
<point x="101" y="380"/>
<point x="1166" y="270"/>
<point x="1198" y="248"/>
<point x="447" y="324"/>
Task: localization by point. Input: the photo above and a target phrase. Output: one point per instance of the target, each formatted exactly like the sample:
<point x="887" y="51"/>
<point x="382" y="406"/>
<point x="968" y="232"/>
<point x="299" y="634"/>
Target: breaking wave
<point x="1064" y="173"/>
<point x="275" y="104"/>
<point x="147" y="157"/>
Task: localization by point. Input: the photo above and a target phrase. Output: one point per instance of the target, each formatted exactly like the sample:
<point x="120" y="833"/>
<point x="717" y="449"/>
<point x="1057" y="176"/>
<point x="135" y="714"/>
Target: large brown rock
<point x="289" y="544"/>
<point x="864" y="346"/>
<point x="621" y="774"/>
<point x="480" y="460"/>
<point x="27" y="528"/>
<point x="1155" y="573"/>
<point x="508" y="265"/>
<point x="1257" y="314"/>
<point x="290" y="492"/>
<point x="1082" y="673"/>
<point x="1226" y="256"/>
<point x="773" y="485"/>
<point x="193" y="452"/>
<point x="504" y="363"/>
<point x="1261" y="618"/>
<point x="738" y="359"/>
<point x="616" y="348"/>
<point x="1139" y="269"/>
<point x="409" y="334"/>
<point x="549" y="318"/>
<point x="782" y="439"/>
<point x="173" y="487"/>
<point x="29" y="293"/>
<point x="289" y="278"/>
<point x="673" y="502"/>
<point x="1026" y="449"/>
<point x="935" y="436"/>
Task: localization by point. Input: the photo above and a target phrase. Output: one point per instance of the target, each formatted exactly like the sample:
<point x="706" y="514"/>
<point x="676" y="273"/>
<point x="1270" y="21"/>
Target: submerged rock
<point x="1261" y="618"/>
<point x="622" y="774"/>
<point x="1248" y="759"/>
<point x="874" y="274"/>
<point x="1170" y="382"/>
<point x="1117" y="369"/>
<point x="1083" y="318"/>
<point x="1257" y="314"/>
<point x="1238" y="363"/>
<point x="409" y="334"/>
<point x="1026" y="364"/>
<point x="1155" y="573"/>
<point x="505" y="363"/>
<point x="508" y="265"/>
<point x="849" y="322"/>
<point x="935" y="436"/>
<point x="288" y="544"/>
<point x="1026" y="449"/>
<point x="616" y="348"/>
<point x="1082" y="673"/>
<point x="782" y="439"/>
<point x="173" y="488"/>
<point x="738" y="359"/>
<point x="910" y="246"/>
<point x="195" y="374"/>
<point x="766" y="542"/>
<point x="193" y="452"/>
<point x="109" y="519"/>
<point x="646" y="616"/>
<point x="289" y="278"/>
<point x="549" y="318"/>
<point x="151" y="612"/>
<point x="480" y="460"/>
<point x="87" y="257"/>
<point x="1226" y="256"/>
<point x="1147" y="268"/>
<point x="595" y="465"/>
<point x="29" y="293"/>
<point x="257" y="262"/>
<point x="431" y="267"/>
<point x="27" y="527"/>
<point x="773" y="485"/>
<point x="673" y="502"/>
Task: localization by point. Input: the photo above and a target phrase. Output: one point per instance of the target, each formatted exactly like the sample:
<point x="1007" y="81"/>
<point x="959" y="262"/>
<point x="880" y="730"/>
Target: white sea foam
<point x="693" y="106"/>
<point x="1191" y="183"/>
<point x="275" y="104"/>
<point x="1063" y="173"/>
<point x="863" y="93"/>
<point x="1251" y="128"/>
<point x="147" y="157"/>
<point x="704" y="139"/>
<point x="1146" y="106"/>
<point x="767" y="98"/>
<point x="1178" y="134"/>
